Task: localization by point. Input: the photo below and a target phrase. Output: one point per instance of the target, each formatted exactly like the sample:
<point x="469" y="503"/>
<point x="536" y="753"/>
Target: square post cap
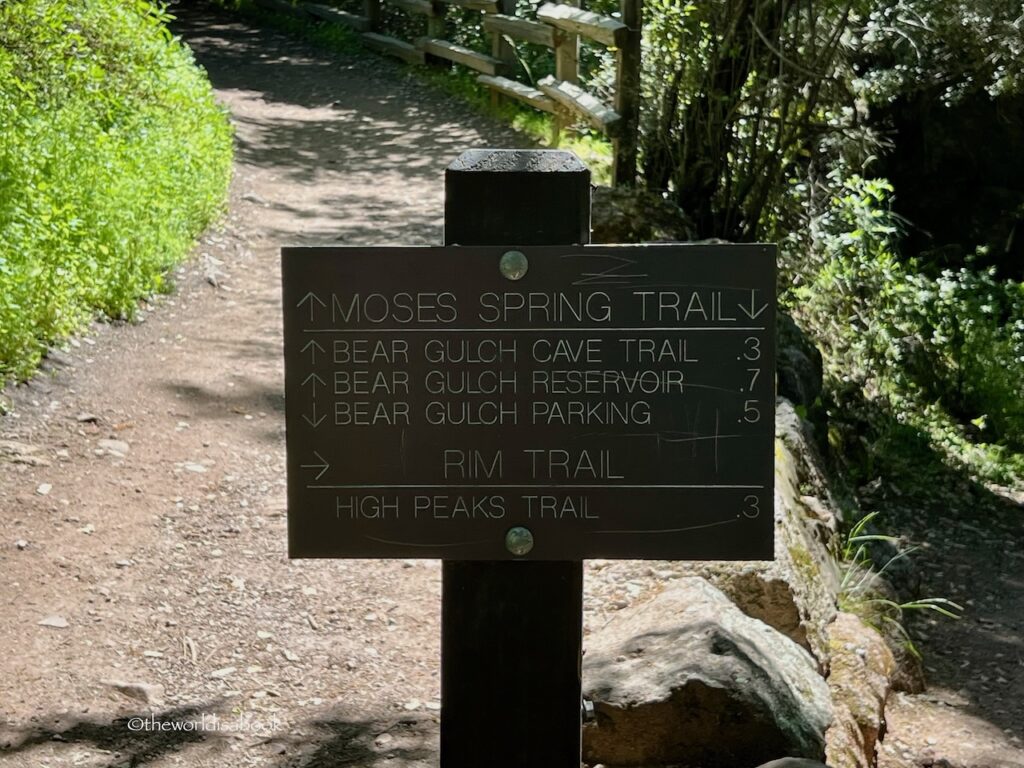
<point x="518" y="161"/>
<point x="517" y="197"/>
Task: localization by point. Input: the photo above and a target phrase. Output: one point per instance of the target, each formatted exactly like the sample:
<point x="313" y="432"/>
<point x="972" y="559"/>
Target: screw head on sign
<point x="519" y="541"/>
<point x="513" y="265"/>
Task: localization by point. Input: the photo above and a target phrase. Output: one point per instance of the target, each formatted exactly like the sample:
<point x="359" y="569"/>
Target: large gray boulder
<point x="687" y="678"/>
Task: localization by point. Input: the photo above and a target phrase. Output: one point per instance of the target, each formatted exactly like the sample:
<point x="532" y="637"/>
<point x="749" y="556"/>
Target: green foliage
<point x="959" y="46"/>
<point x="862" y="590"/>
<point x="941" y="355"/>
<point x="975" y="339"/>
<point x="113" y="156"/>
<point x="739" y="96"/>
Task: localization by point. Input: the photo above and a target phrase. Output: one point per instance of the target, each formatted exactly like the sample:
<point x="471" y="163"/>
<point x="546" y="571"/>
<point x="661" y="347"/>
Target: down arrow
<point x="753" y="313"/>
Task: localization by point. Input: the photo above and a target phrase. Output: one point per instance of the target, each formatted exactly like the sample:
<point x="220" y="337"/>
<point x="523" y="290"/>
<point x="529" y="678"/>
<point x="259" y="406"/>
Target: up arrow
<point x="313" y="421"/>
<point x="315" y="380"/>
<point x="311" y="298"/>
<point x="753" y="313"/>
<point x="312" y="346"/>
<point x="323" y="466"/>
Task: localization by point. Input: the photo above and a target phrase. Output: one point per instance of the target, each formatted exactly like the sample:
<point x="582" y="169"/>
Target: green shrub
<point x="941" y="355"/>
<point x="113" y="157"/>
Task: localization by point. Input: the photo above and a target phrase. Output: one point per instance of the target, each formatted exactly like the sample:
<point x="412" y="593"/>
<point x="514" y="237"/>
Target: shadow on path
<point x="968" y="545"/>
<point x="357" y="113"/>
<point x="339" y="740"/>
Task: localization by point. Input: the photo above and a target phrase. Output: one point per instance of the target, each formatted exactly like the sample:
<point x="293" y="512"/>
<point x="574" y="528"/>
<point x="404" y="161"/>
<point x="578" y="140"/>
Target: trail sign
<point x="547" y="402"/>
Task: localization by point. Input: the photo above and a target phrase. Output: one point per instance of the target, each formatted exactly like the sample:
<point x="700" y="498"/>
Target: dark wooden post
<point x="511" y="635"/>
<point x="435" y="21"/>
<point x="500" y="47"/>
<point x="627" y="95"/>
<point x="371" y="10"/>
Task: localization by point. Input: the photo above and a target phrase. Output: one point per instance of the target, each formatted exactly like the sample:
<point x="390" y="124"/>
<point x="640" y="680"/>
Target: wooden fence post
<point x="627" y="95"/>
<point x="501" y="49"/>
<point x="511" y="636"/>
<point x="435" y="22"/>
<point x="567" y="54"/>
<point x="567" y="68"/>
<point x="371" y="10"/>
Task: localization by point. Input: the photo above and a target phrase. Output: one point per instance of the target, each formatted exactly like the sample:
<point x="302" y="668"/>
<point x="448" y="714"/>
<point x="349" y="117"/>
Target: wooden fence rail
<point x="559" y="26"/>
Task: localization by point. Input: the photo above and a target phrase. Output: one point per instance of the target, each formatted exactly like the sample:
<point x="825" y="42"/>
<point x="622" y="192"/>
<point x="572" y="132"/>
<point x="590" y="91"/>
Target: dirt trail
<point x="972" y="714"/>
<point x="168" y="562"/>
<point x="142" y="476"/>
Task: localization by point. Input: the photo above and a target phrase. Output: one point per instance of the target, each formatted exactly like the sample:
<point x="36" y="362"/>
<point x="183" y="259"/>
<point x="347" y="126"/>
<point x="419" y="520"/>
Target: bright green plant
<point x="937" y="355"/>
<point x="862" y="591"/>
<point x="113" y="157"/>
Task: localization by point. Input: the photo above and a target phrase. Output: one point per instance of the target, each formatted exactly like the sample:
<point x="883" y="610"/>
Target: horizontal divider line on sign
<point x="596" y="329"/>
<point x="533" y="485"/>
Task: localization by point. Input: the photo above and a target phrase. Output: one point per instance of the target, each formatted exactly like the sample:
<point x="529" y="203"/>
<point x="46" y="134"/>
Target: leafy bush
<point x="944" y="353"/>
<point x="113" y="156"/>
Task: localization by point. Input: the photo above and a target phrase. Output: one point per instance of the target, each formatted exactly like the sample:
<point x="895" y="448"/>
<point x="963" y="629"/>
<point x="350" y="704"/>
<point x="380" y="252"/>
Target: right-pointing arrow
<point x="323" y="466"/>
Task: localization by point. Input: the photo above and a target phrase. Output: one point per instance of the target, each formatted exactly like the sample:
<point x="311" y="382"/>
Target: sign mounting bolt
<point x="513" y="265"/>
<point x="519" y="541"/>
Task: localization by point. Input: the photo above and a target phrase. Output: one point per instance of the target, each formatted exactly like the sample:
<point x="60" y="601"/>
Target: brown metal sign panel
<point x="552" y="403"/>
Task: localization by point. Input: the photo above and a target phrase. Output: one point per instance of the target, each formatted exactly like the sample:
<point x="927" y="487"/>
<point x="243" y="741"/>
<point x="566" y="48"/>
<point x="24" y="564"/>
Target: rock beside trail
<point x="799" y="364"/>
<point x="766" y="593"/>
<point x="860" y="681"/>
<point x="688" y="677"/>
<point x="147" y="693"/>
<point x="796" y="593"/>
<point x="22" y="453"/>
<point x="116" y="448"/>
<point x="627" y="215"/>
